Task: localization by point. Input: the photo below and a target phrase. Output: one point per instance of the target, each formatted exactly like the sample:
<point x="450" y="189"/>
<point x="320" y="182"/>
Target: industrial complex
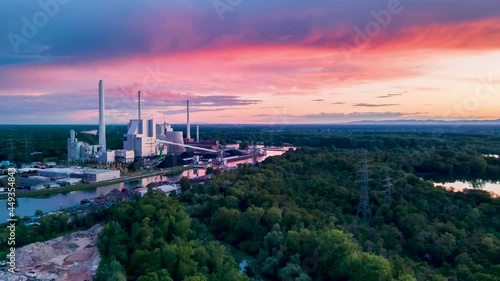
<point x="144" y="142"/>
<point x="149" y="143"/>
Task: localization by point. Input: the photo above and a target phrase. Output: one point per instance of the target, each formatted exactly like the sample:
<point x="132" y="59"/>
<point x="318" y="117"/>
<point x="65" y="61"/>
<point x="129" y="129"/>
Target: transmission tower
<point x="388" y="187"/>
<point x="364" y="197"/>
<point x="254" y="154"/>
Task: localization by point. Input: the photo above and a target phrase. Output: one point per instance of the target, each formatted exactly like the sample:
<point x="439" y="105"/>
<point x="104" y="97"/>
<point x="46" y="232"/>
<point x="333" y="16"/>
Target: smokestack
<point x="197" y="133"/>
<point x="72" y="136"/>
<point x="188" y="135"/>
<point x="102" y="121"/>
<point x="139" y="105"/>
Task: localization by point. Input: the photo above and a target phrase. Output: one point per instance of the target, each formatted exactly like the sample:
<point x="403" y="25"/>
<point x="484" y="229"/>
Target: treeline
<point x="454" y="156"/>
<point x="297" y="215"/>
<point x="425" y="152"/>
<point x="20" y="141"/>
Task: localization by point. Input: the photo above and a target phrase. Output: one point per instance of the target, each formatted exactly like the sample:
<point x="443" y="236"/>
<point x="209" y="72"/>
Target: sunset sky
<point x="248" y="61"/>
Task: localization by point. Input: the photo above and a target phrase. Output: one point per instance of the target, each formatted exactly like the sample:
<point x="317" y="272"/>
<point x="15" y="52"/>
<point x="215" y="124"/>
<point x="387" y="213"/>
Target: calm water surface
<point x="461" y="185"/>
<point x="28" y="205"/>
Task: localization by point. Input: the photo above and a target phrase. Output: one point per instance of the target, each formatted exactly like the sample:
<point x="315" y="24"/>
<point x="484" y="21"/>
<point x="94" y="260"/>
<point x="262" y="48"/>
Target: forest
<point x="20" y="141"/>
<point x="295" y="216"/>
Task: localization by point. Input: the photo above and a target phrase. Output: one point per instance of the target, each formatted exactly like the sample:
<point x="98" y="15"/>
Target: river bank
<point x="56" y="200"/>
<point x="66" y="189"/>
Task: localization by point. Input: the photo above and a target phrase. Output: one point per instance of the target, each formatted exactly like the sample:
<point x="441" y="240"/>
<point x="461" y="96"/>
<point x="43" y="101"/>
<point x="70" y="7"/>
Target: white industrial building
<point x="124" y="156"/>
<point x="34" y="183"/>
<point x="141" y="135"/>
<point x="141" y="138"/>
<point x="54" y="173"/>
<point x="140" y="141"/>
<point x="105" y="157"/>
<point x="38" y="178"/>
<point x="78" y="150"/>
<point x="85" y="174"/>
<point x="98" y="175"/>
<point x="166" y="133"/>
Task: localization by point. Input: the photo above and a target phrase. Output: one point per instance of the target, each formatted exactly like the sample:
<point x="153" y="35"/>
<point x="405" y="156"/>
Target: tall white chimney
<point x="72" y="136"/>
<point x="102" y="120"/>
<point x="197" y="133"/>
<point x="188" y="134"/>
<point x="139" y="105"/>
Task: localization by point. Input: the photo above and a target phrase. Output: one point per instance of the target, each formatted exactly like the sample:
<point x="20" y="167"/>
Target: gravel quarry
<point x="73" y="257"/>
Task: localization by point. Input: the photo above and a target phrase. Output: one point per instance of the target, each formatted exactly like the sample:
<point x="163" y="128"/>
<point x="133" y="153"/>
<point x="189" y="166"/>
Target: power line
<point x="437" y="202"/>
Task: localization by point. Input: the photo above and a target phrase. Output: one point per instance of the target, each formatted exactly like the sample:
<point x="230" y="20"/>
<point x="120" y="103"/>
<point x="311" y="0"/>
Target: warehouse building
<point x="124" y="156"/>
<point x="97" y="175"/>
<point x="57" y="173"/>
<point x="85" y="174"/>
<point x="34" y="183"/>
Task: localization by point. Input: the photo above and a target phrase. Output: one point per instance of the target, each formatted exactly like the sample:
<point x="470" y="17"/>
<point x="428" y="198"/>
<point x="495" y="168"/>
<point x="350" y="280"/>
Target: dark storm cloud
<point x="92" y="30"/>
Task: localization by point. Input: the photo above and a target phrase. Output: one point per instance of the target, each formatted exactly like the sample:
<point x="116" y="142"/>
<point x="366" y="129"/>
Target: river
<point x="28" y="205"/>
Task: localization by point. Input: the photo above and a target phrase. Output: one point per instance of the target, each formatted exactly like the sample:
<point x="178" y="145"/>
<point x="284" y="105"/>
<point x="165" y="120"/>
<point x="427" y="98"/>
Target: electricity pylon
<point x="364" y="197"/>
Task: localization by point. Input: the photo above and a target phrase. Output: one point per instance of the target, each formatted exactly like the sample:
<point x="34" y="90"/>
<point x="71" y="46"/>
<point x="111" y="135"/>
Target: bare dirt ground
<point x="73" y="257"/>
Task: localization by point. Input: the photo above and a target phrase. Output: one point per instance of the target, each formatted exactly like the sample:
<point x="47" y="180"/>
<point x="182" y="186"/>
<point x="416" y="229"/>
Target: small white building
<point x="86" y="174"/>
<point x="106" y="157"/>
<point x="124" y="156"/>
<point x="169" y="188"/>
<point x="98" y="175"/>
<point x="52" y="185"/>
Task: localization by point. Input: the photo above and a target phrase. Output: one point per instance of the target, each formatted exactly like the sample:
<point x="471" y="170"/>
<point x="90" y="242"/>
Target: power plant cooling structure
<point x="102" y="120"/>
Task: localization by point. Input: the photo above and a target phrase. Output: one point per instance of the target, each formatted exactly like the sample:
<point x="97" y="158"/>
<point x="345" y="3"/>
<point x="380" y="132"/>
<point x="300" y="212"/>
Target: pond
<point x="477" y="184"/>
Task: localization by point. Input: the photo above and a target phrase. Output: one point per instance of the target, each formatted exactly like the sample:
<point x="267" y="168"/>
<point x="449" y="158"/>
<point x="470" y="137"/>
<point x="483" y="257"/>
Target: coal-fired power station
<point x="144" y="139"/>
<point x="102" y="119"/>
<point x="188" y="127"/>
